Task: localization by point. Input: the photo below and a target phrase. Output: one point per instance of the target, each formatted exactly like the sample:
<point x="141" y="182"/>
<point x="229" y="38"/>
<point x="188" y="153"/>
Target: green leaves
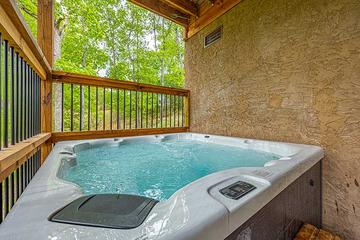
<point x="117" y="38"/>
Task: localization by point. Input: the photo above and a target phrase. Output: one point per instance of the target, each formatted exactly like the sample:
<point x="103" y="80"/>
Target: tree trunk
<point x="57" y="87"/>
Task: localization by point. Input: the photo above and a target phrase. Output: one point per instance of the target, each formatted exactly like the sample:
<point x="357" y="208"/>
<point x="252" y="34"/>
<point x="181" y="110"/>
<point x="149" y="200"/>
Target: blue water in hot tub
<point x="156" y="169"/>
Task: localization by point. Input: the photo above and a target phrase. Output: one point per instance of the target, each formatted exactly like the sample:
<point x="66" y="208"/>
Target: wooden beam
<point x="185" y="6"/>
<point x="45" y="28"/>
<point x="187" y="111"/>
<point x="74" y="78"/>
<point x="164" y="10"/>
<point x="13" y="154"/>
<point x="46" y="114"/>
<point x="66" y="136"/>
<point x="5" y="173"/>
<point x="45" y="31"/>
<point x="15" y="29"/>
<point x="208" y="13"/>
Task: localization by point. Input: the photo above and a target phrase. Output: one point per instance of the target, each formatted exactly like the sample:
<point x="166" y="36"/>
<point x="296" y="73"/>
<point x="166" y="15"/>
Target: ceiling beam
<point x="164" y="10"/>
<point x="209" y="12"/>
<point x="185" y="6"/>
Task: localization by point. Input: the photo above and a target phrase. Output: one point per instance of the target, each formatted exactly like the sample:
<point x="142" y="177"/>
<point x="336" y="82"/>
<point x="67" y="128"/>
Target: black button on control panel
<point x="237" y="190"/>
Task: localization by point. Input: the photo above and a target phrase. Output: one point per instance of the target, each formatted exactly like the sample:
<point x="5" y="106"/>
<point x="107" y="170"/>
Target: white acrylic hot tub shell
<point x="196" y="212"/>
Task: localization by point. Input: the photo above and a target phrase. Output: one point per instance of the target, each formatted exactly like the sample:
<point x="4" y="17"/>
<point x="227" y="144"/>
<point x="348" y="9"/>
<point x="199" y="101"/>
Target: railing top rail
<point x="64" y="77"/>
<point x="13" y="27"/>
<point x="15" y="153"/>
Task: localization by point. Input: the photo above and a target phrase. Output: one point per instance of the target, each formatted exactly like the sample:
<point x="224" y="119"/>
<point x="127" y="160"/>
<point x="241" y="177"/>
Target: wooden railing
<point x="23" y="70"/>
<point x="93" y="107"/>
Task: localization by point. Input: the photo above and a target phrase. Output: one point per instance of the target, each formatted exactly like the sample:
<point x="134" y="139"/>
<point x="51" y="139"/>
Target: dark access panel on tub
<point x="237" y="190"/>
<point x="119" y="211"/>
<point x="284" y="215"/>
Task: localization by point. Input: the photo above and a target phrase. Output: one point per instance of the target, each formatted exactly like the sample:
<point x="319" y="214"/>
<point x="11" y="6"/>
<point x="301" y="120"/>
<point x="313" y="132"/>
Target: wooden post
<point x="187" y="110"/>
<point x="46" y="42"/>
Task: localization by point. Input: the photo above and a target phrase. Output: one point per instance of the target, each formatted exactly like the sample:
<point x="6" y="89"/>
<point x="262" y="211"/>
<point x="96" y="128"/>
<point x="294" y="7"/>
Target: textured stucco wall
<point x="287" y="71"/>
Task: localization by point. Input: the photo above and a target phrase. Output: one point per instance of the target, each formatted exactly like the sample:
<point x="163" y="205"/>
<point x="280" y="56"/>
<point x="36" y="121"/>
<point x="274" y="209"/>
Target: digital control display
<point x="237" y="190"/>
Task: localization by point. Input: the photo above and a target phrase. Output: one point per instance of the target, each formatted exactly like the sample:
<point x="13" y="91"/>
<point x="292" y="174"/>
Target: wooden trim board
<point x="67" y="136"/>
<point x="86" y="80"/>
<point x="11" y="155"/>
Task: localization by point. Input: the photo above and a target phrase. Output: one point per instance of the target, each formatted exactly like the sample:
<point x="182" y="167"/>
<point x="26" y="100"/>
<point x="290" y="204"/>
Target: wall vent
<point x="213" y="37"/>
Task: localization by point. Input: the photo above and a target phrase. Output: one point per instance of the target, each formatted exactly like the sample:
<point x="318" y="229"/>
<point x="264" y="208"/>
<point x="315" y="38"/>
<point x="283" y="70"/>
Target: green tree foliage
<point x="29" y="10"/>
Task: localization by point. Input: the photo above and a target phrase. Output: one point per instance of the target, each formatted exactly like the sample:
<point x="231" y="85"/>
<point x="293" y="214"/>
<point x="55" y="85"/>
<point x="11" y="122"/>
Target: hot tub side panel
<point x="283" y="216"/>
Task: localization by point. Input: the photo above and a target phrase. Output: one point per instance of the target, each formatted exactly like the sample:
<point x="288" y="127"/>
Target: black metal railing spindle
<point x="111" y="107"/>
<point x="62" y="107"/>
<point x="147" y="109"/>
<point x="130" y="110"/>
<point x="118" y="109"/>
<point x="104" y="109"/>
<point x="97" y="108"/>
<point x="81" y="109"/>
<point x="71" y="107"/>
<point x="152" y="110"/>
<point x="89" y="108"/>
<point x="6" y="90"/>
<point x="124" y="110"/>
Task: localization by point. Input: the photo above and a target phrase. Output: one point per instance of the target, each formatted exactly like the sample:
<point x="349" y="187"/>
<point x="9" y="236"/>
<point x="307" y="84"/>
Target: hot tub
<point x="207" y="187"/>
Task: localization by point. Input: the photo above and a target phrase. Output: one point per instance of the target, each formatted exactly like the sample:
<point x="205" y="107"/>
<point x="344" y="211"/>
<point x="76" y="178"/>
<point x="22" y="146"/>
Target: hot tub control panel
<point x="237" y="190"/>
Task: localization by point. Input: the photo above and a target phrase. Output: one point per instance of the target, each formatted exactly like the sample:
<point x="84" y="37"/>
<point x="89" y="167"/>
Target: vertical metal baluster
<point x="30" y="168"/>
<point x="33" y="166"/>
<point x="170" y="107"/>
<point x="25" y="89"/>
<point x="81" y="108"/>
<point x="71" y="107"/>
<point x="62" y="107"/>
<point x="20" y="180"/>
<point x="97" y="108"/>
<point x="23" y="177"/>
<point x="12" y="189"/>
<point x="111" y="106"/>
<point x="104" y="109"/>
<point x="35" y="104"/>
<point x="136" y="109"/>
<point x="161" y="110"/>
<point x="118" y="109"/>
<point x="35" y="101"/>
<point x="152" y="110"/>
<point x="17" y="98"/>
<point x="12" y="96"/>
<point x="25" y="174"/>
<point x="32" y="102"/>
<point x="147" y="109"/>
<point x="157" y="110"/>
<point x="17" y="183"/>
<point x="130" y="110"/>
<point x="182" y="111"/>
<point x="141" y="111"/>
<point x="6" y="78"/>
<point x="166" y="111"/>
<point x="6" y="196"/>
<point x="28" y="100"/>
<point x="178" y="111"/>
<point x="174" y="108"/>
<point x="89" y="109"/>
<point x="124" y="110"/>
